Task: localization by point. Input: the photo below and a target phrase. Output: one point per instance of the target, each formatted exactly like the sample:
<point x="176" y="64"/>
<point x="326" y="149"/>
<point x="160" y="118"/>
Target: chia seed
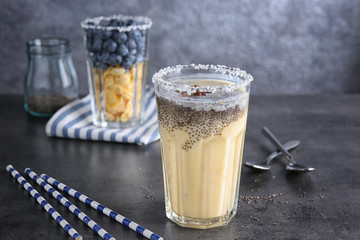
<point x="198" y="124"/>
<point x="47" y="103"/>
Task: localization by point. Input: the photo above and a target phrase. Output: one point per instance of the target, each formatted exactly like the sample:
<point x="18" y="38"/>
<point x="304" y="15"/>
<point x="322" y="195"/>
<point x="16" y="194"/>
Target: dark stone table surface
<point x="324" y="204"/>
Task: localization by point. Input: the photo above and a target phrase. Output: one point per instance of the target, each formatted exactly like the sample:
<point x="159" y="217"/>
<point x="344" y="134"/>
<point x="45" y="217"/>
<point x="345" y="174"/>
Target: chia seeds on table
<point x="199" y="124"/>
<point x="148" y="193"/>
<point x="47" y="103"/>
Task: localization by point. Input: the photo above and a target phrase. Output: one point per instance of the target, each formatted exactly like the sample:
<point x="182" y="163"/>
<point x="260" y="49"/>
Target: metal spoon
<point x="292" y="165"/>
<point x="265" y="165"/>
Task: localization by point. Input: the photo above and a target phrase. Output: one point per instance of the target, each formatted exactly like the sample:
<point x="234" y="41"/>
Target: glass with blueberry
<point x="117" y="50"/>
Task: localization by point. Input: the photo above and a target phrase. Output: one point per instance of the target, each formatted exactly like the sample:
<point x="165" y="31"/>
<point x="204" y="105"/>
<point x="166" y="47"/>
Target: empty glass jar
<point x="51" y="80"/>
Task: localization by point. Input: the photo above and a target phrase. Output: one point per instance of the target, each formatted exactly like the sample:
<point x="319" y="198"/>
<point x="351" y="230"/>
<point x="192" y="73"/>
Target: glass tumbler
<point x="202" y="114"/>
<point x="51" y="80"/>
<point x="117" y="50"/>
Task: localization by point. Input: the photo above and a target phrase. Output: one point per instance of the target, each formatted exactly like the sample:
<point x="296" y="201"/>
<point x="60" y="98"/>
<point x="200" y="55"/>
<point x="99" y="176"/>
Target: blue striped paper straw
<point x="105" y="210"/>
<point x="35" y="194"/>
<point x="64" y="201"/>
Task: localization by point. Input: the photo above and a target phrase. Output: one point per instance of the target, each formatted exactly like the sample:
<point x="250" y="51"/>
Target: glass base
<point x="31" y="112"/>
<point x="200" y="223"/>
<point x="108" y="124"/>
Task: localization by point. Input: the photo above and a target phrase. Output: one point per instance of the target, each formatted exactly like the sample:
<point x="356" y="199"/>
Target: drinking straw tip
<point x="42" y="176"/>
<point x="27" y="169"/>
<point x="79" y="238"/>
<point x="8" y="167"/>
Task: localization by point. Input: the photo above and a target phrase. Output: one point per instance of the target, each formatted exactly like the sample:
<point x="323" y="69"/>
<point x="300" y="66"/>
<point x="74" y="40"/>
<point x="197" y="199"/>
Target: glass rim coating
<point x="244" y="79"/>
<point x="143" y="23"/>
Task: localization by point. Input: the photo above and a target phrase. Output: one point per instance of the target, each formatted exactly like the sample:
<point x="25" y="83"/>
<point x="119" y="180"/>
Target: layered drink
<point x="202" y="112"/>
<point x="117" y="60"/>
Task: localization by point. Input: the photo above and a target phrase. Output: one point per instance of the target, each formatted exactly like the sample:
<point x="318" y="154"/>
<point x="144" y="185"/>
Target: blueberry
<point x="114" y="59"/>
<point x="103" y="34"/>
<point x="96" y="45"/>
<point x="141" y="45"/>
<point x="131" y="22"/>
<point x="98" y="34"/>
<point x="103" y="57"/>
<point x="107" y="34"/>
<point x="128" y="61"/>
<point x="126" y="64"/>
<point x="116" y="23"/>
<point x="133" y="51"/>
<point x="131" y="44"/>
<point x="89" y="34"/>
<point x="141" y="41"/>
<point x="110" y="46"/>
<point x="139" y="58"/>
<point x="135" y="34"/>
<point x="113" y="22"/>
<point x="94" y="58"/>
<point x="119" y="37"/>
<point x="122" y="50"/>
<point x="103" y="66"/>
<point x="130" y="58"/>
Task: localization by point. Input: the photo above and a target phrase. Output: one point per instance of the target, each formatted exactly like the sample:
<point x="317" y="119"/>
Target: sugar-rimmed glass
<point x="117" y="49"/>
<point x="202" y="113"/>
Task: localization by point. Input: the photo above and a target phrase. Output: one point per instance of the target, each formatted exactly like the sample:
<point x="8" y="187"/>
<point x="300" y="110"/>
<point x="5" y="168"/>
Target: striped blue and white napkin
<point x="74" y="120"/>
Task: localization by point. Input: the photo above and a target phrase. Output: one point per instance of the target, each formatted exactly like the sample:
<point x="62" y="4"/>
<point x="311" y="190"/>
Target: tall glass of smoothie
<point x="202" y="112"/>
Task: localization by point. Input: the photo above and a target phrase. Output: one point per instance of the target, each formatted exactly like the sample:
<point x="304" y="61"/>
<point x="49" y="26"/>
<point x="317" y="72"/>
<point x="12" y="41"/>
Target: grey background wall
<point x="289" y="46"/>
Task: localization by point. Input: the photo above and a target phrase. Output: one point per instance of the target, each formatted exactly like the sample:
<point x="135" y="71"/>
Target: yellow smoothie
<point x="202" y="150"/>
